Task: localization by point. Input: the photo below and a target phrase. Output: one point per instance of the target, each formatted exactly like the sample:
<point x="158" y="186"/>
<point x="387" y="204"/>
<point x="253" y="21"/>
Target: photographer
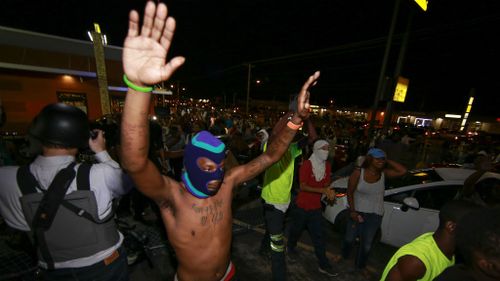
<point x="67" y="206"/>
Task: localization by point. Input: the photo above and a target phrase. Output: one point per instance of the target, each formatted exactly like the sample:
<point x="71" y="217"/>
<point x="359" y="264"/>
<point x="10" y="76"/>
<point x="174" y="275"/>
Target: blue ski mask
<point x="203" y="144"/>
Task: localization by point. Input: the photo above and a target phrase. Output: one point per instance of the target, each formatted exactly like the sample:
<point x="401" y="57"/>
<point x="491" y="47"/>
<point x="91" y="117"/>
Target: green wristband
<point x="135" y="87"/>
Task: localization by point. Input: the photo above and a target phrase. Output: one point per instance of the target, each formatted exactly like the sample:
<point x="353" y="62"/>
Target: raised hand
<point x="303" y="98"/>
<point x="145" y="52"/>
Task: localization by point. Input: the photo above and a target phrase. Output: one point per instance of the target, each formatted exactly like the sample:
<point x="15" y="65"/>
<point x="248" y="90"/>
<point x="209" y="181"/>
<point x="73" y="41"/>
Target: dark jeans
<point x="313" y="220"/>
<point x="115" y="271"/>
<point x="366" y="231"/>
<point x="274" y="240"/>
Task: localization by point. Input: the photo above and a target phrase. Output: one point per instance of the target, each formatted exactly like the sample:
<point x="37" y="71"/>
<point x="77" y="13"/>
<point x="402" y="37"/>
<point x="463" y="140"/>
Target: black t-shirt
<point x="455" y="273"/>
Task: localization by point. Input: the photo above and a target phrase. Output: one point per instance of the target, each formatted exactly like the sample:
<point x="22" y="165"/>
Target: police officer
<point x="75" y="234"/>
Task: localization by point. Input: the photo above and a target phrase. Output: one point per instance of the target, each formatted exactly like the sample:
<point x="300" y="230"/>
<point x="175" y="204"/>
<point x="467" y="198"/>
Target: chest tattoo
<point x="210" y="214"/>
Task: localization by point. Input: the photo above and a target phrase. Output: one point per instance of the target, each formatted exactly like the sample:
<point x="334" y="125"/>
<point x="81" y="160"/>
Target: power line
<point x="423" y="34"/>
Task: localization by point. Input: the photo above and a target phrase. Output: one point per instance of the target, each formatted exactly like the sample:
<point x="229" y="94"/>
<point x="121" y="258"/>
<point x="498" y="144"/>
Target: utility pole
<point x="380" y="86"/>
<point x="383" y="69"/>
<point x="99" y="41"/>
<point x="397" y="71"/>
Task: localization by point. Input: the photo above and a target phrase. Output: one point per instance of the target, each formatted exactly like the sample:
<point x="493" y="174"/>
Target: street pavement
<point x="248" y="230"/>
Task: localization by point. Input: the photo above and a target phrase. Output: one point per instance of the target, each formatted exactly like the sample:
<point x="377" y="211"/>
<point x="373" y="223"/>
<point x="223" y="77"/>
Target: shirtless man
<point x="197" y="210"/>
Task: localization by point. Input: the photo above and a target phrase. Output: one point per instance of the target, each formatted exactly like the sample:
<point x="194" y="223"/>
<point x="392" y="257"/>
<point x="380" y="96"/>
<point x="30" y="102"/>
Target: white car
<point x="411" y="204"/>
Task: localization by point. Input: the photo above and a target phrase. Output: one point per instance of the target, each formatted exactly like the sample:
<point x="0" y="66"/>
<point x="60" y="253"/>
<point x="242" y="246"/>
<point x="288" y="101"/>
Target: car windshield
<point x="414" y="177"/>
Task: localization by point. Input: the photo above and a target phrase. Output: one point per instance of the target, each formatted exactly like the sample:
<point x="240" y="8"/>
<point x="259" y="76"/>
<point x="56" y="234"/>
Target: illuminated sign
<point x="455" y="116"/>
<point x="422" y="4"/>
<point x="471" y="100"/>
<point x="466" y="114"/>
<point x="97" y="28"/>
<point x="423" y="122"/>
<point x="401" y="88"/>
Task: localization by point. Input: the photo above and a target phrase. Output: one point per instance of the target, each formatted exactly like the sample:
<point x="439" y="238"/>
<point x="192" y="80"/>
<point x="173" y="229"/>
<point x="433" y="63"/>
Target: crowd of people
<point x="189" y="167"/>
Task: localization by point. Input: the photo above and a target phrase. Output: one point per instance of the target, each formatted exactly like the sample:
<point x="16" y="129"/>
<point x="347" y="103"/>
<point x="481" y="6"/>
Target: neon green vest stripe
<point x="425" y="249"/>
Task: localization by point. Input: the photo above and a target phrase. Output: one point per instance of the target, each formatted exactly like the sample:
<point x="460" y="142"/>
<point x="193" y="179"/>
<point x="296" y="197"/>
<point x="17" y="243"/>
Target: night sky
<point x="452" y="47"/>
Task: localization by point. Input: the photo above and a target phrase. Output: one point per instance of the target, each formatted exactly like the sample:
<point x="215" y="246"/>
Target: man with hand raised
<point x="197" y="210"/>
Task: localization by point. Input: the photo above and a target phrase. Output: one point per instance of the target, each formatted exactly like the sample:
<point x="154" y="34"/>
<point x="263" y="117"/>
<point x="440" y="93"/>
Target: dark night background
<point x="453" y="46"/>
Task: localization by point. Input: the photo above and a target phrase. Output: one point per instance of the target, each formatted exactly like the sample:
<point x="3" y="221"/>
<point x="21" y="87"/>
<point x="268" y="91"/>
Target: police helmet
<point x="62" y="125"/>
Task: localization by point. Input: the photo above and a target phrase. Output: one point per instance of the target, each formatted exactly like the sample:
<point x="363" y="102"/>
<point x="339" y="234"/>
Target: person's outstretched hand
<point x="303" y="98"/>
<point x="145" y="50"/>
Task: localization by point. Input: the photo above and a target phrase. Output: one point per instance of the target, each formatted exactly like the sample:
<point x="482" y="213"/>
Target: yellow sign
<point x="422" y="4"/>
<point x="401" y="88"/>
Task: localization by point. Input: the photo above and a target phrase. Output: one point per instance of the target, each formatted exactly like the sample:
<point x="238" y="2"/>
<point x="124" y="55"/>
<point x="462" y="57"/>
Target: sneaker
<point x="328" y="271"/>
<point x="132" y="257"/>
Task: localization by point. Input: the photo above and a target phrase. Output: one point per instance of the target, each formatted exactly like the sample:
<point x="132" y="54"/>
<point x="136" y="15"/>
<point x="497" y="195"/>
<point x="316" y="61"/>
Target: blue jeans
<point x="274" y="240"/>
<point x="366" y="231"/>
<point x="115" y="271"/>
<point x="313" y="220"/>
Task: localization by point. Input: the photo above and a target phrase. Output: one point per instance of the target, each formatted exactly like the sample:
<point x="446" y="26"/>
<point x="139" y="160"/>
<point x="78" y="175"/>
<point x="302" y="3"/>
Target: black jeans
<point x="115" y="271"/>
<point x="274" y="240"/>
<point x="313" y="220"/>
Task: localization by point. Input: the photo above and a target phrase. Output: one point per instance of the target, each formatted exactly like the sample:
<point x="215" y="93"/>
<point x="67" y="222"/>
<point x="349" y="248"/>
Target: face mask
<point x="195" y="179"/>
<point x="318" y="150"/>
<point x="322" y="154"/>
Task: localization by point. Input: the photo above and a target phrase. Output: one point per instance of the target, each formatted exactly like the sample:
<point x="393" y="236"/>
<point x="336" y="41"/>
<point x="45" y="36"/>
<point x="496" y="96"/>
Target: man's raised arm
<point x="144" y="63"/>
<point x="280" y="142"/>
